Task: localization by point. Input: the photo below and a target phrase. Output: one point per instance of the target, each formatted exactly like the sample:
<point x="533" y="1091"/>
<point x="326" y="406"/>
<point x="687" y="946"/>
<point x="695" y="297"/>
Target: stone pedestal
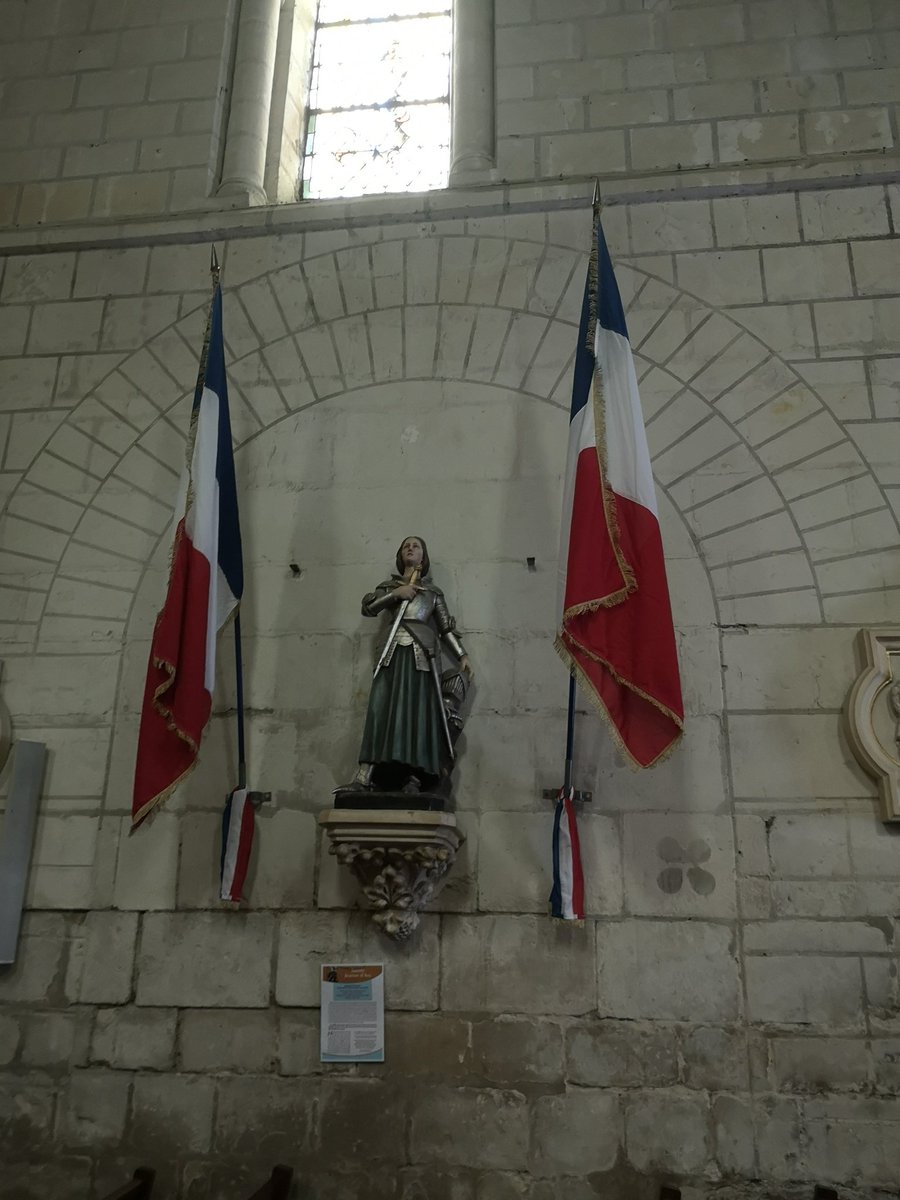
<point x="398" y="857"/>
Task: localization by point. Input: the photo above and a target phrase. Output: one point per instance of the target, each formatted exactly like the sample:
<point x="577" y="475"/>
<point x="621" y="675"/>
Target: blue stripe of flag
<point x="610" y="315"/>
<point x="231" y="559"/>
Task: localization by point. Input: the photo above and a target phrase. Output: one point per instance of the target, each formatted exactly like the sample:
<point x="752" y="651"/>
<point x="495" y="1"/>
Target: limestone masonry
<point x="727" y="1019"/>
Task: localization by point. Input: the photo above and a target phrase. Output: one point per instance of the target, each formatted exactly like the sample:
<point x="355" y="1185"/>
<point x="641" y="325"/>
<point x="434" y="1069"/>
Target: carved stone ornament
<point x="873" y="714"/>
<point x="399" y="859"/>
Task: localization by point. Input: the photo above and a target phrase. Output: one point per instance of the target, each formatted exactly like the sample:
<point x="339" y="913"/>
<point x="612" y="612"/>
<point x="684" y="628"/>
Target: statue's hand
<point x="406" y="591"/>
<point x="466" y="666"/>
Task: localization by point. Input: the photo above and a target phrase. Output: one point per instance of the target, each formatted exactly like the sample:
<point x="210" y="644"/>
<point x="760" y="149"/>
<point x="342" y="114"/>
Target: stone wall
<point x="729" y="1015"/>
<point x="730" y="1007"/>
<point x="116" y="108"/>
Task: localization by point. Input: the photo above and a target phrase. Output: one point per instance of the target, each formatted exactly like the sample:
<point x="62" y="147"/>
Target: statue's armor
<point x="425" y="623"/>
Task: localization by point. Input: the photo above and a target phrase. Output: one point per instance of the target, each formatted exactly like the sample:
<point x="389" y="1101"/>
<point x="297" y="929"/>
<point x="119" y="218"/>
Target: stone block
<point x="818" y="1064"/>
<point x="886" y="1063"/>
<point x="874" y="263"/>
<point x="439" y="1046"/>
<point x="129" y="323"/>
<point x="54" y="1040"/>
<point x="679" y="865"/>
<point x="840" y="385"/>
<point x="884" y="375"/>
<point x="779" y="1150"/>
<point x="147" y="864"/>
<point x="102" y="958"/>
<point x="800" y="669"/>
<point x="578" y="1132"/>
<point x="298" y="1042"/>
<point x="364" y="1119"/>
<point x="715" y="1059"/>
<point x="735" y="1135"/>
<point x="849" y="132"/>
<point x="513" y="1051"/>
<point x="111" y="272"/>
<point x="9" y="1039"/>
<point x="849" y="1140"/>
<point x="810" y="846"/>
<point x="705" y="25"/>
<point x="307" y="940"/>
<point x="485" y="1129"/>
<point x="135" y="1038"/>
<point x="675" y="146"/>
<point x="857" y="326"/>
<point x="93" y="1108"/>
<point x="487" y="965"/>
<point x="755" y="220"/>
<point x="793" y="93"/>
<point x="695" y="974"/>
<point x="26" y="1116"/>
<point x="671" y="226"/>
<point x="758" y="139"/>
<point x="55" y="203"/>
<point x="713" y="100"/>
<point x="171" y="1115"/>
<point x="537" y="42"/>
<point x="722" y="278"/>
<point x="213" y="960"/>
<point x="804" y="989"/>
<point x="65" y="326"/>
<point x="873" y="86"/>
<point x="102" y="158"/>
<point x="752" y="841"/>
<point x="617" y="1054"/>
<point x="851" y="213"/>
<point x="873" y="847"/>
<point x="131" y="195"/>
<point x="283" y="1117"/>
<point x="282" y="871"/>
<point x="40" y="954"/>
<point x="807" y="272"/>
<point x="788" y="771"/>
<point x="668" y="1132"/>
<point x="233" y="1040"/>
<point x="560" y="153"/>
<point x="37" y="278"/>
<point x="607" y="110"/>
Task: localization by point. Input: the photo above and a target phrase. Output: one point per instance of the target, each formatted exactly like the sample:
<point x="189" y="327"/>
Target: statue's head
<point x="409" y="554"/>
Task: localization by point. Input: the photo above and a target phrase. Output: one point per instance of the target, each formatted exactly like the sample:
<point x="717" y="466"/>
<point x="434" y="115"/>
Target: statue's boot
<point x="361" y="781"/>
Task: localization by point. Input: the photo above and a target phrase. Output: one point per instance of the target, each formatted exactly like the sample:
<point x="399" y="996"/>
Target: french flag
<point x="567" y="896"/>
<point x="206" y="579"/>
<point x="238" y="825"/>
<point x="616" y="628"/>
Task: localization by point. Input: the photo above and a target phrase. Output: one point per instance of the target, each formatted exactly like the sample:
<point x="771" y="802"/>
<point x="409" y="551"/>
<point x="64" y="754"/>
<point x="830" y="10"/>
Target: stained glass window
<point x="379" y="111"/>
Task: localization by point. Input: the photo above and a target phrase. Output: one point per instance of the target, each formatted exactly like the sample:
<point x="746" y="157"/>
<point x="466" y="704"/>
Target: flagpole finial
<point x="214" y="265"/>
<point x="595" y="201"/>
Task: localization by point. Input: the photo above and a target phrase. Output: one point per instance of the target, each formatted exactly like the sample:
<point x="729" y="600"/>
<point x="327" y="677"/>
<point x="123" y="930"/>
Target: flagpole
<point x="570" y="720"/>
<point x="570" y="734"/>
<point x="215" y="272"/>
<point x="239" y="677"/>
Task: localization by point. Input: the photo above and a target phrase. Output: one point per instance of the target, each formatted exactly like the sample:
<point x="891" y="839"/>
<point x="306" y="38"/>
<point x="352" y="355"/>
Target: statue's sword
<point x="401" y="613"/>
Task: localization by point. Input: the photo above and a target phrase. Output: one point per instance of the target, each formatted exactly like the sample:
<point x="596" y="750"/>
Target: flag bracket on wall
<point x="578" y="796"/>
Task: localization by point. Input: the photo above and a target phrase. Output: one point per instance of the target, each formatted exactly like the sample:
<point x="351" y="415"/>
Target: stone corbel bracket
<point x="399" y="858"/>
<point x="873" y="714"/>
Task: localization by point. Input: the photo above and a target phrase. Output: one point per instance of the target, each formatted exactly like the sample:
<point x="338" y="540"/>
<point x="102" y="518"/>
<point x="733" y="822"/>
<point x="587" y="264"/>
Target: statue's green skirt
<point x="403" y="722"/>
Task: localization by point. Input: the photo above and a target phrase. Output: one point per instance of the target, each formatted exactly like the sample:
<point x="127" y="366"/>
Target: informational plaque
<point x="352" y="1012"/>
